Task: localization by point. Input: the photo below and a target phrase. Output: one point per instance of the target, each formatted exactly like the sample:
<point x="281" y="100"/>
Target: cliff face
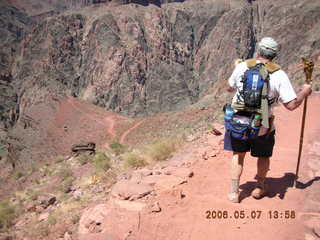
<point x="133" y="60"/>
<point x="41" y="9"/>
<point x="13" y="24"/>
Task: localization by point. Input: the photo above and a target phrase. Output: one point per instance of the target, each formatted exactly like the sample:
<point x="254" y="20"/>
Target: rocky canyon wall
<point x="143" y="60"/>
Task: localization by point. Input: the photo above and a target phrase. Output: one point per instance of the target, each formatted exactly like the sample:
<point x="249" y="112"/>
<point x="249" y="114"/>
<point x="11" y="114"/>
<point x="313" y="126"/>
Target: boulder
<point x="155" y="207"/>
<point x="92" y="219"/>
<point x="128" y="190"/>
<point x="46" y="200"/>
<point x="43" y="216"/>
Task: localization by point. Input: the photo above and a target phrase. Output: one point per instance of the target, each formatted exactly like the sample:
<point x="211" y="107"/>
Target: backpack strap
<point x="272" y="67"/>
<point x="265" y="70"/>
<point x="251" y="62"/>
<point x="264" y="100"/>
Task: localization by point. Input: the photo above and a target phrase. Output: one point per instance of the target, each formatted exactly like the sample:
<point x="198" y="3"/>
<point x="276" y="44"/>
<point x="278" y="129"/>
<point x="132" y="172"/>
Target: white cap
<point x="269" y="46"/>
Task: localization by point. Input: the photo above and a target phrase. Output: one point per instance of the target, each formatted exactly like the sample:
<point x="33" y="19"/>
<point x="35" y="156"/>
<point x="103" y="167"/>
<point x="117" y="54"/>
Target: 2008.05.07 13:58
<point x="254" y="214"/>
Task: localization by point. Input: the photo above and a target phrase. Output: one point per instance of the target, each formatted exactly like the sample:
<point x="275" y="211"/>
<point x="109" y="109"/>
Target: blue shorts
<point x="259" y="147"/>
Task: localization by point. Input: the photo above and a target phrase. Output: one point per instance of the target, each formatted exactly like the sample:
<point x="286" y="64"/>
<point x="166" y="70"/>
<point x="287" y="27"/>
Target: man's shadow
<point x="276" y="186"/>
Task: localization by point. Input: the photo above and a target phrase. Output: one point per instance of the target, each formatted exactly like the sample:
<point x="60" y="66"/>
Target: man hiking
<point x="249" y="119"/>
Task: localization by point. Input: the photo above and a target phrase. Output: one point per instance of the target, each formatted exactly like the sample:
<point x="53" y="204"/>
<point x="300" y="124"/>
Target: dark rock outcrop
<point x="13" y="25"/>
<point x="138" y="63"/>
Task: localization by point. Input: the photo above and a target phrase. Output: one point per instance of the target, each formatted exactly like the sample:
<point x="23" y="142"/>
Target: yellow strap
<point x="270" y="66"/>
<point x="251" y="62"/>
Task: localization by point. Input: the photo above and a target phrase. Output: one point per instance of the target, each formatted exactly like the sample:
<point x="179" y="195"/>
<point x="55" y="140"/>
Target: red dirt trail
<point x="109" y="121"/>
<point x="186" y="218"/>
<point x="127" y="132"/>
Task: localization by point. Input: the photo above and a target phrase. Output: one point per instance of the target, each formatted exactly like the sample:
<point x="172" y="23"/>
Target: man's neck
<point x="263" y="60"/>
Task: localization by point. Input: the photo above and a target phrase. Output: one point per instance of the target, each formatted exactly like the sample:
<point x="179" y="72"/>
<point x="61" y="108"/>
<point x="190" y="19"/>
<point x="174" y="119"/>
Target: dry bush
<point x="133" y="159"/>
<point x="7" y="214"/>
<point x="162" y="149"/>
<point x="66" y="184"/>
<point x="101" y="161"/>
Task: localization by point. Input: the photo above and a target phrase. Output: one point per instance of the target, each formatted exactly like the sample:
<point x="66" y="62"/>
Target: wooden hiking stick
<point x="308" y="68"/>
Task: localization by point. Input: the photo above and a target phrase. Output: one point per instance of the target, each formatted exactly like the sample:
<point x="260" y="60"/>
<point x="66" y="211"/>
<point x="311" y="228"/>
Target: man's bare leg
<point x="263" y="165"/>
<point x="236" y="171"/>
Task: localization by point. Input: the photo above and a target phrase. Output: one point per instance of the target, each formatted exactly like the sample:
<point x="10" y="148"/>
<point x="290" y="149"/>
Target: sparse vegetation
<point x="59" y="159"/>
<point x="64" y="173"/>
<point x="84" y="158"/>
<point x="133" y="159"/>
<point x="43" y="230"/>
<point x="32" y="194"/>
<point x="66" y="184"/>
<point x="7" y="214"/>
<point x="36" y="230"/>
<point x="118" y="148"/>
<point x="316" y="87"/>
<point x="101" y="161"/>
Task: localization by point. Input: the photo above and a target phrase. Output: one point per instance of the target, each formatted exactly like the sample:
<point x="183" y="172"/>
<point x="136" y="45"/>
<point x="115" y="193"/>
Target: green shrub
<point x="75" y="219"/>
<point x="18" y="175"/>
<point x="162" y="150"/>
<point x="133" y="159"/>
<point x="101" y="161"/>
<point x="52" y="220"/>
<point x="7" y="214"/>
<point x="3" y="150"/>
<point x="118" y="148"/>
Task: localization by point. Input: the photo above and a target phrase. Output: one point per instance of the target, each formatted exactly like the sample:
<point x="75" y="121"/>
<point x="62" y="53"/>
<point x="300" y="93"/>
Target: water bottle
<point x="228" y="114"/>
<point x="257" y="121"/>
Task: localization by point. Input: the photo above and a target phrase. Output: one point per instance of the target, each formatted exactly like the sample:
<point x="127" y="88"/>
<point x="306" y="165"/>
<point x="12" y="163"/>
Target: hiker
<point x="252" y="110"/>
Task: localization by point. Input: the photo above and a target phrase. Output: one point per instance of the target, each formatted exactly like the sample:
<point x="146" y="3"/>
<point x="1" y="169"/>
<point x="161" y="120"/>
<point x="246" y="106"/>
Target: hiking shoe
<point x="233" y="197"/>
<point x="259" y="192"/>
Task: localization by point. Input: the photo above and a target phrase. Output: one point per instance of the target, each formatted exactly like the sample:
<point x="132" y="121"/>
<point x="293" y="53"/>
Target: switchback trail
<point x="109" y="121"/>
<point x="127" y="132"/>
